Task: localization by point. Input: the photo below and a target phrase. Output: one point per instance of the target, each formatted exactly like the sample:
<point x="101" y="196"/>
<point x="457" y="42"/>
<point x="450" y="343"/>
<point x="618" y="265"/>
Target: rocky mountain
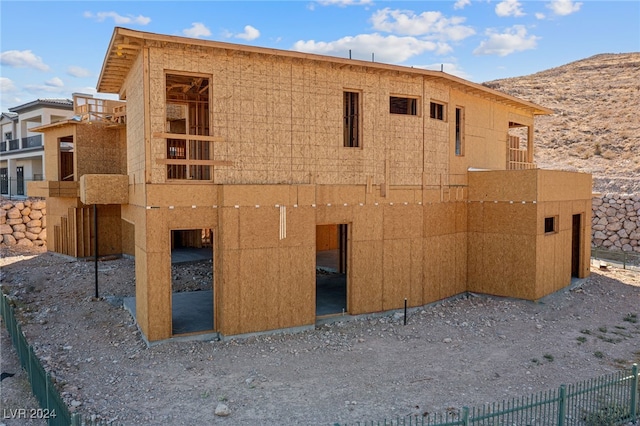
<point x="596" y="124"/>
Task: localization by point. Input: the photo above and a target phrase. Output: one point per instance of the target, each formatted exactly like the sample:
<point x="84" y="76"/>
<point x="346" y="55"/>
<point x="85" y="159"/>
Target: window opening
<point x="436" y="111"/>
<point x="550" y="225"/>
<point x="459" y="131"/>
<point x="351" y="119"/>
<point x="400" y="105"/>
<point x="187" y="113"/>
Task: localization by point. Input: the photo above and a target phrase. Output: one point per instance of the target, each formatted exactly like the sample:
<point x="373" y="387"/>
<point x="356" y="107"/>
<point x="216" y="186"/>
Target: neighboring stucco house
<point x="424" y="183"/>
<point x="21" y="149"/>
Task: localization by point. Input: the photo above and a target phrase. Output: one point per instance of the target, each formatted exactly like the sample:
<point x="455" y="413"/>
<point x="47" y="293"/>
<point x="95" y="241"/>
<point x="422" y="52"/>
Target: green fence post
<point x="562" y="405"/>
<point x="76" y="419"/>
<point x="634" y="393"/>
<point x="465" y="416"/>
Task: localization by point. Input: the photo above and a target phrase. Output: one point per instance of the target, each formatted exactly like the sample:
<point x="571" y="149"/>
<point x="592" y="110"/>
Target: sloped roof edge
<point x="125" y="44"/>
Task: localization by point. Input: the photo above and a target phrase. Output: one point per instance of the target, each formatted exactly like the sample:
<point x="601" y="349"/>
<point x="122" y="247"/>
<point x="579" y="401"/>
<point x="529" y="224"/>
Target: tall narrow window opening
<point x="351" y="119"/>
<point x="459" y="132"/>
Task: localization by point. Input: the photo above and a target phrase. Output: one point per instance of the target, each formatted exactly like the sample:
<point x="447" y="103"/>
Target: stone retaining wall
<point x="616" y="222"/>
<point x="23" y="222"/>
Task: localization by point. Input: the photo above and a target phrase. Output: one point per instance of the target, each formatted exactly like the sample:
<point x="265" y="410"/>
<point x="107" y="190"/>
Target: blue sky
<point x="50" y="49"/>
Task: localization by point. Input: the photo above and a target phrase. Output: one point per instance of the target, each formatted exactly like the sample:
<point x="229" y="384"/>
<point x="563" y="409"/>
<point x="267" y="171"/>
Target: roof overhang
<point x="126" y="44"/>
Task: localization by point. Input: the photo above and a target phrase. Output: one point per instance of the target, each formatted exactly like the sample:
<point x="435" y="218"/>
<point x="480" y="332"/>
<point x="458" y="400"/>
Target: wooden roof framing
<point x="126" y="44"/>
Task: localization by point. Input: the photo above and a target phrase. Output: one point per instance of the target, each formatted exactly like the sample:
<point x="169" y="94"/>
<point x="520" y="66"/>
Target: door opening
<point x="575" y="245"/>
<point x="19" y="180"/>
<point x="191" y="281"/>
<point x="332" y="261"/>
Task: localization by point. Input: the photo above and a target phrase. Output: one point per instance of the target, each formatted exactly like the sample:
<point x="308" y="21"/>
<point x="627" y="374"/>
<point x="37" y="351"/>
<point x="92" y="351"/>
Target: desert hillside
<point x="596" y="124"/>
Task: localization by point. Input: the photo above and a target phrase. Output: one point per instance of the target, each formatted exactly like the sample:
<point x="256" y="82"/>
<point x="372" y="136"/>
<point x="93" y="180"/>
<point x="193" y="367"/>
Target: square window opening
<point x="550" y="225"/>
<point x="436" y="111"/>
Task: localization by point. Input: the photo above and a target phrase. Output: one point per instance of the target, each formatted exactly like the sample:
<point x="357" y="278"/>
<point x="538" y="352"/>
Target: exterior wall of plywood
<point x="421" y="227"/>
<point x="99" y="149"/>
<point x="327" y="237"/>
<point x="510" y="254"/>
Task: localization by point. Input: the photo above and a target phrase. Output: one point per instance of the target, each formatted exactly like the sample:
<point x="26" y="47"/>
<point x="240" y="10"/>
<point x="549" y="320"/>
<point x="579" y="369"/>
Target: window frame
<point x="459" y="124"/>
<point x="433" y="114"/>
<point x="189" y="149"/>
<point x="551" y="225"/>
<point x="352" y="134"/>
<point x="413" y="105"/>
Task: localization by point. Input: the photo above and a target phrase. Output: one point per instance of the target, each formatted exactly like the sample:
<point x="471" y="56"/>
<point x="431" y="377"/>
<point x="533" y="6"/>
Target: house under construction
<point x="423" y="183"/>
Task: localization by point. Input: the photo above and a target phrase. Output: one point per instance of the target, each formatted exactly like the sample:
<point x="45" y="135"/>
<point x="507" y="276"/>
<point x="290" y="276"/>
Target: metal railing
<point x="16" y="187"/>
<point x="19" y="144"/>
<point x="53" y="407"/>
<point x="607" y="400"/>
<point x="628" y="260"/>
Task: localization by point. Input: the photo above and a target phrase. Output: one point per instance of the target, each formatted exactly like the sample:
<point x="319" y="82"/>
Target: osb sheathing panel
<point x="137" y="193"/>
<point x="502" y="264"/>
<point x="159" y="295"/>
<point x="555" y="185"/>
<point x="183" y="196"/>
<point x="326" y="237"/>
<point x="259" y="297"/>
<point x="300" y="103"/>
<point x="296" y="286"/>
<point x="439" y="219"/>
<point x="334" y="214"/>
<point x="402" y="222"/>
<point x="99" y="149"/>
<point x="507" y="218"/>
<point x="142" y="290"/>
<point x="252" y="195"/>
<point x="128" y="238"/>
<point x="503" y="185"/>
<point x="402" y="266"/>
<point x="134" y="87"/>
<point x="109" y="230"/>
<point x="365" y="281"/>
<point x="367" y="223"/>
<point x="339" y="194"/>
<point x="443" y="266"/>
<point x="104" y="189"/>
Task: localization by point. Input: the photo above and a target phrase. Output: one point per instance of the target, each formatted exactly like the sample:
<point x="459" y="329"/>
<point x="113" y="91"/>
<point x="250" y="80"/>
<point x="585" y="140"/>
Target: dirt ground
<point x="465" y="351"/>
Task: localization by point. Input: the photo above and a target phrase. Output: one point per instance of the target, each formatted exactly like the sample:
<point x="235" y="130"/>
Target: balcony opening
<point x="65" y="147"/>
<point x="187" y="113"/>
<point x="520" y="147"/>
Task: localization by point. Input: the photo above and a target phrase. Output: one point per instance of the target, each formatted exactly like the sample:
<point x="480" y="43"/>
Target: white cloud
<point x="6" y="85"/>
<point x="432" y="25"/>
<point x="79" y="72"/>
<point x="38" y="89"/>
<point x="250" y="33"/>
<point x="343" y="3"/>
<point x="564" y="7"/>
<point x="460" y="4"/>
<point x="540" y="15"/>
<point x="514" y="39"/>
<point x="390" y="49"/>
<point x="117" y="18"/>
<point x="22" y="59"/>
<point x="509" y="8"/>
<point x="54" y="82"/>
<point x="197" y="30"/>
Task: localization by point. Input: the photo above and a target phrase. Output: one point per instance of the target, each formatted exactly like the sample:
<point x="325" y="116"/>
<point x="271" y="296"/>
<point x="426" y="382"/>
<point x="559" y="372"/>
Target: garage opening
<point x="191" y="281"/>
<point x="332" y="255"/>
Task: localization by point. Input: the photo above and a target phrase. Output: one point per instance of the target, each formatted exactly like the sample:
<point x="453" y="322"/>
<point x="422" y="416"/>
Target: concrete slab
<point x="192" y="311"/>
<point x="327" y="260"/>
<point x="189" y="254"/>
<point x="331" y="294"/>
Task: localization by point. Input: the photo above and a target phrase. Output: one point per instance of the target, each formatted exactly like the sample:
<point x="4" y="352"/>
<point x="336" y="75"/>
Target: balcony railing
<point x="32" y="142"/>
<point x="28" y="142"/>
